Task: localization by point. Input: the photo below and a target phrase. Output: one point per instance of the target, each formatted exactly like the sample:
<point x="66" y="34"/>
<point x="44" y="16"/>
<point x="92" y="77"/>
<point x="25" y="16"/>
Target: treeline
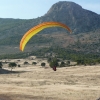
<point x="14" y="56"/>
<point x="68" y="54"/>
<point x="65" y="54"/>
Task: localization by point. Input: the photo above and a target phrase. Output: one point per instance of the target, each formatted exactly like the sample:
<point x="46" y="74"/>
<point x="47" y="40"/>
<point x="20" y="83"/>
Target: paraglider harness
<point x="54" y="68"/>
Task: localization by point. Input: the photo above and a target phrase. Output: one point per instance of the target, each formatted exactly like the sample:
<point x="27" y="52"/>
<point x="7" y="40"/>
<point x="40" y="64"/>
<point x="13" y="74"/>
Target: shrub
<point x="34" y="63"/>
<point x="12" y="65"/>
<point x="1" y="65"/>
<point x="43" y="64"/>
<point x="54" y="62"/>
<point x="19" y="66"/>
<point x="25" y="63"/>
<point x="62" y="64"/>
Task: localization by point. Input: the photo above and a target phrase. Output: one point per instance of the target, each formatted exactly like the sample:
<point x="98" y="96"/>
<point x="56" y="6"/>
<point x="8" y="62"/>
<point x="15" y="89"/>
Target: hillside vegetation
<point x="85" y="26"/>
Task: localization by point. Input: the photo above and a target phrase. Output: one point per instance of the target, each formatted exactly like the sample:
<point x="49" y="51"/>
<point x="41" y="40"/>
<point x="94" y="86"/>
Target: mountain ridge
<point x="83" y="23"/>
<point x="74" y="16"/>
<point x="78" y="19"/>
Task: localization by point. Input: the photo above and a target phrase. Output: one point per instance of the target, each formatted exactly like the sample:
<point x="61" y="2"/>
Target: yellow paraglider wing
<point x="38" y="28"/>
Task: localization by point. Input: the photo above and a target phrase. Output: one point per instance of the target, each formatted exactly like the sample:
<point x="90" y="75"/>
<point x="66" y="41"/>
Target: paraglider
<point x="37" y="29"/>
<point x="54" y="68"/>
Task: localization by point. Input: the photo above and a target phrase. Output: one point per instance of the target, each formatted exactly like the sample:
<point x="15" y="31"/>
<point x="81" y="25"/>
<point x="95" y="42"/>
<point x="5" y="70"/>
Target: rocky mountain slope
<point x="84" y="24"/>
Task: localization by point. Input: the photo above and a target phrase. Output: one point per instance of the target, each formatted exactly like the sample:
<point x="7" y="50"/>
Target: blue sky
<point x="28" y="9"/>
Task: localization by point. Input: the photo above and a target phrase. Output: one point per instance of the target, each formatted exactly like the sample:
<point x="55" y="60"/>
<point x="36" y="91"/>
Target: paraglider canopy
<point x="38" y="28"/>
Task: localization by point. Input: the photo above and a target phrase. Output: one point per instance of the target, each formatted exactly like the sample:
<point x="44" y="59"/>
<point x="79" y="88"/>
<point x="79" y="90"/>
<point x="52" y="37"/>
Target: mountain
<point x="84" y="24"/>
<point x="78" y="19"/>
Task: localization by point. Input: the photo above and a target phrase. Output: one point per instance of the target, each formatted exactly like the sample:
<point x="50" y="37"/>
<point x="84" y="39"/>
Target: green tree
<point x="62" y="64"/>
<point x="1" y="65"/>
<point x="43" y="64"/>
<point x="80" y="62"/>
<point x="25" y="63"/>
<point x="68" y="63"/>
<point x="34" y="63"/>
<point x="19" y="66"/>
<point x="12" y="65"/>
<point x="54" y="62"/>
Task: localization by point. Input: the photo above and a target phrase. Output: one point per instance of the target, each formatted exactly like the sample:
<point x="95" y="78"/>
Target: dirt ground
<point x="37" y="83"/>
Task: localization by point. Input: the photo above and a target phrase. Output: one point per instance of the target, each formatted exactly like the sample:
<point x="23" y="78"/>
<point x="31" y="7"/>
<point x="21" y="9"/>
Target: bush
<point x="54" y="63"/>
<point x="34" y="63"/>
<point x="43" y="64"/>
<point x="19" y="66"/>
<point x="62" y="64"/>
<point x="25" y="63"/>
<point x="80" y="62"/>
<point x="1" y="65"/>
<point x="12" y="65"/>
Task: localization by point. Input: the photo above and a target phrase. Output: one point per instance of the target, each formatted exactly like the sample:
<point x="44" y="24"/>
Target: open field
<point x="36" y="83"/>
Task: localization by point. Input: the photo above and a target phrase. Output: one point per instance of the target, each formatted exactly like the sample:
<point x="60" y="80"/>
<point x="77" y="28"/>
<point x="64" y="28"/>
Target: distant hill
<point x="79" y="19"/>
<point x="84" y="24"/>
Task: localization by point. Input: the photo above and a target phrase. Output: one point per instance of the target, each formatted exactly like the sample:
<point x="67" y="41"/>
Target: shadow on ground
<point x="24" y="97"/>
<point x="4" y="71"/>
<point x="3" y="97"/>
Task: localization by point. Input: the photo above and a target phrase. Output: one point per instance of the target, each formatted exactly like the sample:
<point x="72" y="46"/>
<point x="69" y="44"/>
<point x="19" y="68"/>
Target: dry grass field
<point x="31" y="82"/>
